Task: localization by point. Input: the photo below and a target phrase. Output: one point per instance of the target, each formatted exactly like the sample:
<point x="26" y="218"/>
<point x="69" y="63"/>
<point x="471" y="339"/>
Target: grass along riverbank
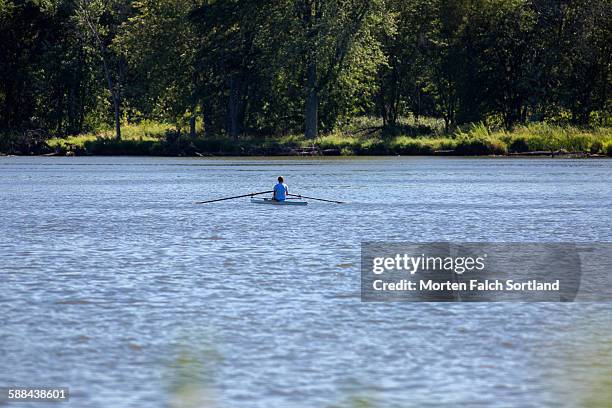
<point x="360" y="138"/>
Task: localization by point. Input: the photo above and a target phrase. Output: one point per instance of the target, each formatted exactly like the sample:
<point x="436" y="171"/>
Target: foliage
<point x="269" y="68"/>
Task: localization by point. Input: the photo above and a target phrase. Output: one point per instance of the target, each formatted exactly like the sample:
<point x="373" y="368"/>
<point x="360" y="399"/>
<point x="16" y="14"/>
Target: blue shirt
<point x="280" y="191"/>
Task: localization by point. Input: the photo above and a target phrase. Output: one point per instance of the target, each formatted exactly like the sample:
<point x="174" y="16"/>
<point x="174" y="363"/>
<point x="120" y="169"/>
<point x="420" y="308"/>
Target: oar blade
<point x="234" y="197"/>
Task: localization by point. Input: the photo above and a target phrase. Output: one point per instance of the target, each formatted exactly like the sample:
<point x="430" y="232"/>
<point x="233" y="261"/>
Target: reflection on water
<point x="110" y="274"/>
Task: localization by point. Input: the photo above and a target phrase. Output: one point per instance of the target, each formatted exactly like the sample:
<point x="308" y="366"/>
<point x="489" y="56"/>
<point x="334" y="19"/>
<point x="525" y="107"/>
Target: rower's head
<point x="281" y="179"/>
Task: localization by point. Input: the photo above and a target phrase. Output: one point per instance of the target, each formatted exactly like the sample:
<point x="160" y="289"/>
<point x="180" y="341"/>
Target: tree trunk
<point x="117" y="116"/>
<point x="192" y="125"/>
<point x="208" y="121"/>
<point x="111" y="88"/>
<point x="109" y="80"/>
<point x="194" y="104"/>
<point x="192" y="119"/>
<point x="312" y="101"/>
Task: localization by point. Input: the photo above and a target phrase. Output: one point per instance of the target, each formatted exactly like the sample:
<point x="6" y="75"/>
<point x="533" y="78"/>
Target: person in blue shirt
<point x="280" y="190"/>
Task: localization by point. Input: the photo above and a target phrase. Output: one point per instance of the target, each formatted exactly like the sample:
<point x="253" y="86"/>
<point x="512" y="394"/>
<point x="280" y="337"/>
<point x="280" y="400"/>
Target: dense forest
<point x="277" y="67"/>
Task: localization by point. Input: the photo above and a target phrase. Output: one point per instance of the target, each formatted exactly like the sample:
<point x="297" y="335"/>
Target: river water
<point x="116" y="285"/>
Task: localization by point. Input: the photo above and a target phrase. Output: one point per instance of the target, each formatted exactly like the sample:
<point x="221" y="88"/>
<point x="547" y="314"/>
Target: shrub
<point x="538" y="136"/>
<point x="476" y="131"/>
<point x="372" y="147"/>
<point x="479" y="147"/>
<point x="10" y="142"/>
<point x="410" y="146"/>
<point x="337" y="141"/>
<point x="576" y="142"/>
<point x="596" y="147"/>
<point x="518" y="145"/>
<point x="28" y="142"/>
<point x="346" y="151"/>
<point x="112" y="147"/>
<point x="608" y="148"/>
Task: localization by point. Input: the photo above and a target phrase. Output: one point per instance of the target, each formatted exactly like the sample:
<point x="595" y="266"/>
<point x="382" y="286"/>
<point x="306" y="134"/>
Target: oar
<point x="317" y="199"/>
<point x="231" y="198"/>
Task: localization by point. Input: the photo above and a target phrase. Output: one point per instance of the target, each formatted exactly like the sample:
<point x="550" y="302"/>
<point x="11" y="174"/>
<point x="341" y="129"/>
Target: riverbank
<point x="476" y="140"/>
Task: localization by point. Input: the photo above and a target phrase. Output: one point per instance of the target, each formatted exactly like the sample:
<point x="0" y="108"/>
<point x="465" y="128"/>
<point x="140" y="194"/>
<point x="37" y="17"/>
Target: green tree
<point x="99" y="21"/>
<point x="230" y="59"/>
<point x="499" y="44"/>
<point x="323" y="34"/>
<point x="160" y="45"/>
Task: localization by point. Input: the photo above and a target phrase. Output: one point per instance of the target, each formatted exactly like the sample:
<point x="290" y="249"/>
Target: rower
<point x="280" y="190"/>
